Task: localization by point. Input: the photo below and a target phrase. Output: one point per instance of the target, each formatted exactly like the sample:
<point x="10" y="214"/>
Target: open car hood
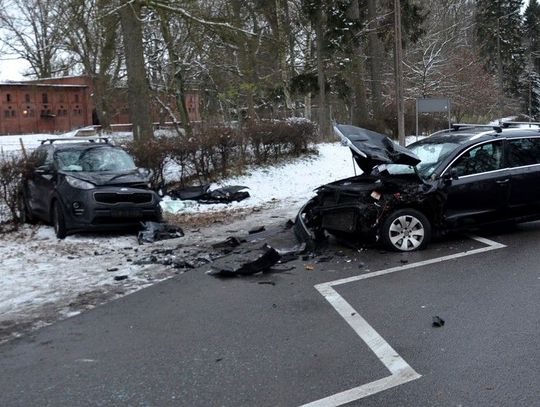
<point x="370" y="149"/>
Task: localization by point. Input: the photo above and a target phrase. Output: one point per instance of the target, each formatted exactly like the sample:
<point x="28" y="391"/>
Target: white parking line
<point x="401" y="371"/>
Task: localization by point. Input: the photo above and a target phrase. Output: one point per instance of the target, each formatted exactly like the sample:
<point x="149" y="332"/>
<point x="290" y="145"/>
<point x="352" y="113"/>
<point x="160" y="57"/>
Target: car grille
<point x="112" y="198"/>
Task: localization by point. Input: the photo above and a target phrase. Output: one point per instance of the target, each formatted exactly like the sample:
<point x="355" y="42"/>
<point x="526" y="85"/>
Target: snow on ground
<point x="43" y="279"/>
<point x="287" y="185"/>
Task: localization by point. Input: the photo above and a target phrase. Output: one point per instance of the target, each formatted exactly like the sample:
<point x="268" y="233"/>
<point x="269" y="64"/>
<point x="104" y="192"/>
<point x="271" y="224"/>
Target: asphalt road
<point x="196" y="340"/>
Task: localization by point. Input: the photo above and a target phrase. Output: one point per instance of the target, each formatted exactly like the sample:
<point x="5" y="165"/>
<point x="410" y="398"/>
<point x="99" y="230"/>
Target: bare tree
<point x="138" y="87"/>
<point x="92" y="38"/>
<point x="31" y="31"/>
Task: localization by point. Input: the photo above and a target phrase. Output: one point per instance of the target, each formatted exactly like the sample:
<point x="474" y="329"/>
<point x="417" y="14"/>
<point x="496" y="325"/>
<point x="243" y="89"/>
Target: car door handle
<point x="503" y="181"/>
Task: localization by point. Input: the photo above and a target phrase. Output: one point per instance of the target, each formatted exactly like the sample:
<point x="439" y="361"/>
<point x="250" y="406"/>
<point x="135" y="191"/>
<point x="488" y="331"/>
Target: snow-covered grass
<point x="286" y="185"/>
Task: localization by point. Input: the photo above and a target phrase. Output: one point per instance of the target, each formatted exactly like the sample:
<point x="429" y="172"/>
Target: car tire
<point x="59" y="221"/>
<point x="406" y="230"/>
<point x="25" y="214"/>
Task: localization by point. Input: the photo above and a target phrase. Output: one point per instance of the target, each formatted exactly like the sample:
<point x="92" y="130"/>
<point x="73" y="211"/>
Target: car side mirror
<point x="450" y="176"/>
<point x="43" y="169"/>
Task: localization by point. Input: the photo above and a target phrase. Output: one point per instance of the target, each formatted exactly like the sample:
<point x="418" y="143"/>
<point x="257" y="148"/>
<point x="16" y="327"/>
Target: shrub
<point x="12" y="168"/>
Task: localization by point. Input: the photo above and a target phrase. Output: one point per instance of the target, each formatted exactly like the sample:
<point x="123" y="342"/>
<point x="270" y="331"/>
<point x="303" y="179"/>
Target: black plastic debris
<point x="266" y="282"/>
<point x="154" y="231"/>
<point x="252" y="262"/>
<point x="120" y="278"/>
<point x="257" y="229"/>
<point x="324" y="259"/>
<point x="112" y="269"/>
<point x="291" y="253"/>
<point x="203" y="194"/>
<point x="231" y="241"/>
<point x="437" y="322"/>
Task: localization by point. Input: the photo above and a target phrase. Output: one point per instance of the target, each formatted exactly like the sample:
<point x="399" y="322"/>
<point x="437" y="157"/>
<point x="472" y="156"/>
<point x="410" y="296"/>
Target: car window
<point x="483" y="158"/>
<point x="525" y="151"/>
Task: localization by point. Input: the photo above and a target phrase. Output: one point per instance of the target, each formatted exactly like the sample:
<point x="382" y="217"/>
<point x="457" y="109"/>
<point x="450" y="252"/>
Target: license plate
<point x="126" y="213"/>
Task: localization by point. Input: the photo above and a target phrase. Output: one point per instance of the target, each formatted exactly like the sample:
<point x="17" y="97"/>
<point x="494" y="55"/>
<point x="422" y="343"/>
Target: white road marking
<point x="401" y="371"/>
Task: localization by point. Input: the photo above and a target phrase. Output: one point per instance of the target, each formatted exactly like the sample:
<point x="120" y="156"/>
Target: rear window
<point x="525" y="151"/>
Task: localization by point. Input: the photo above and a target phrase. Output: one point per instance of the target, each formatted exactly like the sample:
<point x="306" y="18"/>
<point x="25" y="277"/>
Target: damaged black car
<point x="85" y="185"/>
<point x="458" y="179"/>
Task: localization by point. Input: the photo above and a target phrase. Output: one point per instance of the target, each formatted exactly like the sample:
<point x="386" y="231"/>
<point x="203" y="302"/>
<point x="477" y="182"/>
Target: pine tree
<point x="499" y="33"/>
<point x="531" y="25"/>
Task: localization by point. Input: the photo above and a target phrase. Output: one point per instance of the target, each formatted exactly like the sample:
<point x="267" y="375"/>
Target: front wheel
<point x="406" y="230"/>
<point x="59" y="221"/>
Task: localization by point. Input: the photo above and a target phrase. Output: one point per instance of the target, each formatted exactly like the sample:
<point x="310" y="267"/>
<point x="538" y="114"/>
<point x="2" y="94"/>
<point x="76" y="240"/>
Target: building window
<point x="45" y="98"/>
<point x="27" y="98"/>
<point x="13" y="113"/>
<point x="7" y="113"/>
<point x="76" y="98"/>
<point x="8" y="97"/>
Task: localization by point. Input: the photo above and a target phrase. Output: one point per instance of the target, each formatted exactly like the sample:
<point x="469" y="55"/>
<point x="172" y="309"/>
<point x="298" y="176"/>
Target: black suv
<point x="460" y="178"/>
<point x="86" y="184"/>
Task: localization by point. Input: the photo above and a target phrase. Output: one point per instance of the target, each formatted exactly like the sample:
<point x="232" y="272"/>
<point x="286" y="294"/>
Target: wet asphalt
<point x="274" y="340"/>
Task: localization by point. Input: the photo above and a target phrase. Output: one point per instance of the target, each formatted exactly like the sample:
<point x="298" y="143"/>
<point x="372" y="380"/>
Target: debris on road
<point x="247" y="263"/>
<point x="437" y="322"/>
<point x="154" y="231"/>
<point x="309" y="267"/>
<point x="120" y="278"/>
<point x="203" y="194"/>
<point x="228" y="244"/>
<point x="257" y="229"/>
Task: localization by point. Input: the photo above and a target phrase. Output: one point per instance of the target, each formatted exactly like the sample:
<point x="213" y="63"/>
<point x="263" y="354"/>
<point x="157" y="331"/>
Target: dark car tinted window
<point x="525" y="151"/>
<point x="483" y="158"/>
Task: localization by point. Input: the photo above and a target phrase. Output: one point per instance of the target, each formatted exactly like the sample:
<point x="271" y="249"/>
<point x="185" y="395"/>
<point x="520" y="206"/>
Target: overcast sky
<point x="11" y="68"/>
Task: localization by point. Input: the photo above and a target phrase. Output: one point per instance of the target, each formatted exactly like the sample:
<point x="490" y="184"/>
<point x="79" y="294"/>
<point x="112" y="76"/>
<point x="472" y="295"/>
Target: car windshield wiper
<point x="124" y="174"/>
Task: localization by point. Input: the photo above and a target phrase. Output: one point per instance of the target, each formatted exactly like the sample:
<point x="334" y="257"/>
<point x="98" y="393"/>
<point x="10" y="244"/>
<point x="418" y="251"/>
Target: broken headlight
<point x="78" y="183"/>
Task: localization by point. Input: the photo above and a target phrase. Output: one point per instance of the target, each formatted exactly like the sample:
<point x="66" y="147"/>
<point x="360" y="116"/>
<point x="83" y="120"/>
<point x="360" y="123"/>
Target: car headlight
<point x="79" y="183"/>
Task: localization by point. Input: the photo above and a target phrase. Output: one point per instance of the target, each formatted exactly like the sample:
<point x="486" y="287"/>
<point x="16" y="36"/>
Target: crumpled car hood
<point x="109" y="178"/>
<point x="371" y="149"/>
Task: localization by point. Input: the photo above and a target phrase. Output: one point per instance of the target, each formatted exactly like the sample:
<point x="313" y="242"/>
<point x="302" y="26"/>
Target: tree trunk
<point x="283" y="51"/>
<point x="324" y="119"/>
<point x="375" y="62"/>
<point x="180" y="93"/>
<point x="138" y="88"/>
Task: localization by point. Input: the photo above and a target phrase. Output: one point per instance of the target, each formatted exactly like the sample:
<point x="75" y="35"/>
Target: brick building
<point x="63" y="104"/>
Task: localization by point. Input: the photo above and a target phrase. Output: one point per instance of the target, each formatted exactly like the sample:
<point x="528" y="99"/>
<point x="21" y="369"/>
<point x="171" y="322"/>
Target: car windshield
<point x="95" y="159"/>
<point x="431" y="155"/>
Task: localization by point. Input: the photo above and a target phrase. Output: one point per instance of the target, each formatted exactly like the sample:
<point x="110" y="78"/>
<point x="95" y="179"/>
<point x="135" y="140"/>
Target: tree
<point x="31" y="31"/>
<point x="499" y="36"/>
<point x="92" y="39"/>
<point x="138" y="87"/>
<point x="531" y="27"/>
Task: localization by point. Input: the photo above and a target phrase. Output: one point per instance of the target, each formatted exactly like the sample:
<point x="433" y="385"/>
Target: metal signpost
<point x="432" y="105"/>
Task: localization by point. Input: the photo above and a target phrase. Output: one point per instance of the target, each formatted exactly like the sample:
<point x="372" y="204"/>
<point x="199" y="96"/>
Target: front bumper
<point x="108" y="208"/>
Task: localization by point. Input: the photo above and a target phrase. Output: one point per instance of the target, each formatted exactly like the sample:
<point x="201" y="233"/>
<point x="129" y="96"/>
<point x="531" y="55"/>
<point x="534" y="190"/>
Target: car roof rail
<point x="507" y="124"/>
<point x="462" y="126"/>
<point x="89" y="139"/>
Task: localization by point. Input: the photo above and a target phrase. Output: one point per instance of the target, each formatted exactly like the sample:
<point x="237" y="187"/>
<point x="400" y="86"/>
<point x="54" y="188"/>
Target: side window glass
<point x="484" y="158"/>
<point x="524" y="151"/>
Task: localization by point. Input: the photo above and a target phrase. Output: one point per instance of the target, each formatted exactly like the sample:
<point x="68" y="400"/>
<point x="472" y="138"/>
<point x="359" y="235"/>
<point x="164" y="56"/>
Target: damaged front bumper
<point x="346" y="219"/>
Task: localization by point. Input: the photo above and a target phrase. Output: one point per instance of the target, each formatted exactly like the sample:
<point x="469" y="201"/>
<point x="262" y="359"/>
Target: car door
<point x="41" y="181"/>
<point x="479" y="190"/>
<point x="523" y="160"/>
